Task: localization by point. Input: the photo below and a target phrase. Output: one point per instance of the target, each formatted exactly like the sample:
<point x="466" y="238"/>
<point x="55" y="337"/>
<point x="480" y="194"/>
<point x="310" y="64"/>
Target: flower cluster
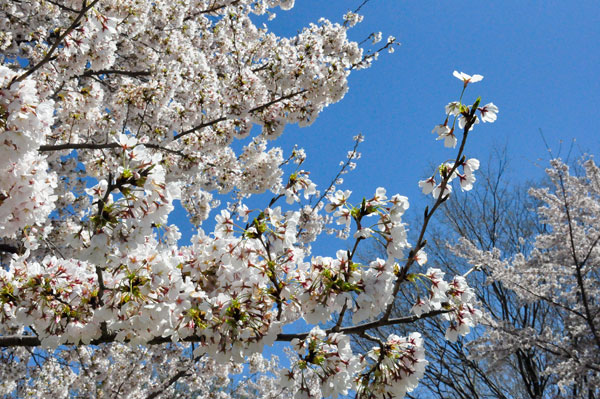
<point x="466" y="117"/>
<point x="55" y="297"/>
<point x="325" y="366"/>
<point x="136" y="107"/>
<point x="557" y="275"/>
<point x="26" y="186"/>
<point x="455" y="299"/>
<point x="397" y="367"/>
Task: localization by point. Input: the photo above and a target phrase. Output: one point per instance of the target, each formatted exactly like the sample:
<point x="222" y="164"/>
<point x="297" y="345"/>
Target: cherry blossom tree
<point x="112" y="110"/>
<point x="557" y="281"/>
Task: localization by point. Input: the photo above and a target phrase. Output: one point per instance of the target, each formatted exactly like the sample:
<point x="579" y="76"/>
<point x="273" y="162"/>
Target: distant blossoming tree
<point x="110" y="110"/>
<point x="558" y="283"/>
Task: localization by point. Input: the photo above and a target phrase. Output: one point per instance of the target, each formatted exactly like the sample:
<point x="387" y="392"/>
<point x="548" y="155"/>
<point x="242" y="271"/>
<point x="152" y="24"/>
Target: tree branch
<point x="429" y="213"/>
<point x="211" y="9"/>
<point x="578" y="265"/>
<point x="361" y="328"/>
<point x="223" y="118"/>
<point x="103" y="146"/>
<point x="10" y="249"/>
<point x="31" y="340"/>
<point x="63" y="7"/>
<point x="181" y="373"/>
<point x="135" y="74"/>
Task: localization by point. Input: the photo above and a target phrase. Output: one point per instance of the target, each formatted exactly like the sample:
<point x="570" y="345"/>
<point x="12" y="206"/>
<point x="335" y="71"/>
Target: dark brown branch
<point x="95" y="146"/>
<point x="134" y="74"/>
<point x="578" y="265"/>
<point x="223" y="118"/>
<point x="361" y="328"/>
<point x="30" y="340"/>
<point x="77" y="146"/>
<point x="367" y="57"/>
<point x="328" y="190"/>
<point x="429" y="213"/>
<point x="210" y="10"/>
<point x="181" y="373"/>
<point x="62" y="7"/>
<point x="102" y="146"/>
<point x="6" y="248"/>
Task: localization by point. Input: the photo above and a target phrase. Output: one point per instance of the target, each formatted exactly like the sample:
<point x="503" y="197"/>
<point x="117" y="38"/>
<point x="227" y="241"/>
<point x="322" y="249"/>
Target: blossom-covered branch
<point x="151" y="98"/>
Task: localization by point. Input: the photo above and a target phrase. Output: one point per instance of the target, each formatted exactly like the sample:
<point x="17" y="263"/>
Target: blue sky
<point x="540" y="59"/>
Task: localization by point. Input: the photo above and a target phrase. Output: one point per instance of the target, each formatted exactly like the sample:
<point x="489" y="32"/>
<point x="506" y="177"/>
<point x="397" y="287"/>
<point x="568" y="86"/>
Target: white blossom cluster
<point x="465" y="117"/>
<point x="125" y="107"/>
<point x="26" y="185"/>
<point x="455" y="298"/>
<point x="325" y="366"/>
<point x="118" y="370"/>
<point x="394" y="368"/>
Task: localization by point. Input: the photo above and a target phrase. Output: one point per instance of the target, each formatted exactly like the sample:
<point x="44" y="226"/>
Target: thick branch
<point x="181" y="373"/>
<point x="30" y="340"/>
<point x="77" y="146"/>
<point x="63" y="7"/>
<point x="133" y="74"/>
<point x="361" y="328"/>
<point x="6" y="248"/>
<point x="102" y="146"/>
<point x="210" y="10"/>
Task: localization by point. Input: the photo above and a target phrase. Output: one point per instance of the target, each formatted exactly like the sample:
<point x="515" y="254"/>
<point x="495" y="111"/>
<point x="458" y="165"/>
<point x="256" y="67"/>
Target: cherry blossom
<point x="427" y="185"/>
<point x="467" y="78"/>
<point x="125" y="111"/>
<point x="489" y="112"/>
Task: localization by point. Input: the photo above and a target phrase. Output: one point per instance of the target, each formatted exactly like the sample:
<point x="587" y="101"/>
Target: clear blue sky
<point x="540" y="59"/>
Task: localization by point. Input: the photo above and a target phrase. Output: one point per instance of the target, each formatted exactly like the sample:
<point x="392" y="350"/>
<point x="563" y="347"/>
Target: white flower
<point x="437" y="191"/>
<point x="344" y="216"/>
<point x="352" y="18"/>
<point x="363" y="233"/>
<point x="421" y="257"/>
<point x="339" y="198"/>
<point x="453" y="108"/>
<point x="126" y="142"/>
<point x="489" y="113"/>
<point x="446" y="134"/>
<point x="467" y="78"/>
<point x="466" y="181"/>
<point x="427" y="185"/>
<point x="470" y="166"/>
<point x="420" y="307"/>
<point x="376" y="37"/>
<point x="451" y="333"/>
<point x="441" y="130"/>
